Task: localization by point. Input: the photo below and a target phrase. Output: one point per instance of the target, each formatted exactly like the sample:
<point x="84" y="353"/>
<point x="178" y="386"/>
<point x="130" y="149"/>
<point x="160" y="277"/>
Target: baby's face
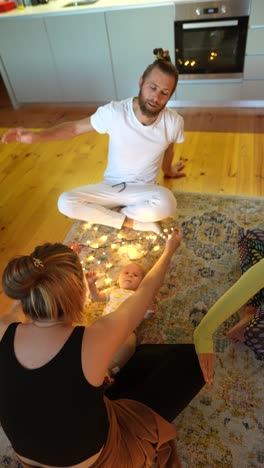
<point x="131" y="276"/>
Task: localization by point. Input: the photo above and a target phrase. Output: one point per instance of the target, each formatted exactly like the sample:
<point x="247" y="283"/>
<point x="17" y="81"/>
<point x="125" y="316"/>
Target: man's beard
<point x="145" y="110"/>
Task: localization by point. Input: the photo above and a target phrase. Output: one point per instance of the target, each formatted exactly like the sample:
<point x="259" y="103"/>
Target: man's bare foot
<point x="128" y="223"/>
<point x="236" y="333"/>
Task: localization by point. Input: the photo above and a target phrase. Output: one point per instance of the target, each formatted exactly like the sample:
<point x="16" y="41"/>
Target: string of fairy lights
<point x="97" y="250"/>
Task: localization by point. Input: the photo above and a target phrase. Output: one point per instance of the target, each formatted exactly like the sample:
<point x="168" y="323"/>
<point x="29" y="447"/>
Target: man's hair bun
<point x="162" y="54"/>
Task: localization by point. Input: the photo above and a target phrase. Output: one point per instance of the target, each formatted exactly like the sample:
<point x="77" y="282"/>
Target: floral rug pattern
<point x="224" y="425"/>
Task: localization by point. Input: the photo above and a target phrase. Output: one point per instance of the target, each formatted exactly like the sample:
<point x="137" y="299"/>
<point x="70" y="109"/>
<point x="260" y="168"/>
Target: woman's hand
<point x="19" y="134"/>
<point x="173" y="241"/>
<point x="206" y="361"/>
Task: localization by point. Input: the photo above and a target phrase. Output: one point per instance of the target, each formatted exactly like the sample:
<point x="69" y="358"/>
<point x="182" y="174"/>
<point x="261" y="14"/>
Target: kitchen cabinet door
<point x="255" y="41"/>
<point x="133" y="34"/>
<point x="256" y="13"/>
<point x="27" y="60"/>
<point x="254" y="67"/>
<point x="208" y="91"/>
<point x="253" y="90"/>
<point x="80" y="46"/>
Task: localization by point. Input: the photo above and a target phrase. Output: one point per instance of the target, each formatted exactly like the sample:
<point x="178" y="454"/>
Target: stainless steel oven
<point x="210" y="38"/>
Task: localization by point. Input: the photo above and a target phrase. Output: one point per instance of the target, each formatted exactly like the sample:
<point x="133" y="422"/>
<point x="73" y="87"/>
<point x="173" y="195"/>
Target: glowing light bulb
<point x="107" y="280"/>
<point x="108" y="265"/>
<point x="95" y="228"/>
<point x="103" y="238"/>
<point x="113" y="246"/>
<point x="90" y="258"/>
<point x="86" y="226"/>
<point x="156" y="248"/>
<point x="132" y="252"/>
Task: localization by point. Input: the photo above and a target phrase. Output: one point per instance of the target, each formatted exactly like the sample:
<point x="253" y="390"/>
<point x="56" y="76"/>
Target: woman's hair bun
<point x="20" y="276"/>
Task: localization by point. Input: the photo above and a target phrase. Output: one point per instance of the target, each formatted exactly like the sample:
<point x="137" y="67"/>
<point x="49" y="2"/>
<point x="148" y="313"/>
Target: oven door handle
<point x="209" y="24"/>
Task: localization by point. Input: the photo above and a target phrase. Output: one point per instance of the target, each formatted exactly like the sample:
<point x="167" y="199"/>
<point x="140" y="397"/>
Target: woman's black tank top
<point x="51" y="414"/>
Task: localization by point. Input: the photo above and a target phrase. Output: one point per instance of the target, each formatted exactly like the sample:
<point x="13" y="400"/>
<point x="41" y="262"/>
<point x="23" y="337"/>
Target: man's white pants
<point x="94" y="203"/>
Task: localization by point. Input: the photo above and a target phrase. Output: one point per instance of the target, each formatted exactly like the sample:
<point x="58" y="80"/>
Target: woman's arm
<point x="245" y="288"/>
<point x="64" y="131"/>
<point x="107" y="334"/>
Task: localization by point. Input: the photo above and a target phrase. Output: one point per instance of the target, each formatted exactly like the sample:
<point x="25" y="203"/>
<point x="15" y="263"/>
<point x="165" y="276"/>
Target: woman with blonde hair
<point x="54" y="407"/>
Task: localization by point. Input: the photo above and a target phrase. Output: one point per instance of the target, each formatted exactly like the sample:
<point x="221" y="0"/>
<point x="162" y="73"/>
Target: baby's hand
<point x="91" y="277"/>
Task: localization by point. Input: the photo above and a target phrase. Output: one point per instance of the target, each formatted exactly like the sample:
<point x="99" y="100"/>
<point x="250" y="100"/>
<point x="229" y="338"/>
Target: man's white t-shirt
<point x="135" y="150"/>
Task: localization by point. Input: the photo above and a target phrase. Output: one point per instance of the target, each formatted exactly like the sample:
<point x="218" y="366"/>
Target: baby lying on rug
<point x="129" y="279"/>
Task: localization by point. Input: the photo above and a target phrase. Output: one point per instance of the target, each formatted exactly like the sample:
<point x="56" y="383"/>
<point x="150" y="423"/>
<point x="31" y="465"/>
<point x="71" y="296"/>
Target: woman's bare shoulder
<point x="15" y="314"/>
<point x="3" y="327"/>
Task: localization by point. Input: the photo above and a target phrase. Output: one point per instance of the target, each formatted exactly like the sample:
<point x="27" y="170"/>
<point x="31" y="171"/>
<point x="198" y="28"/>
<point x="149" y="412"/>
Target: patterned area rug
<point x="224" y="425"/>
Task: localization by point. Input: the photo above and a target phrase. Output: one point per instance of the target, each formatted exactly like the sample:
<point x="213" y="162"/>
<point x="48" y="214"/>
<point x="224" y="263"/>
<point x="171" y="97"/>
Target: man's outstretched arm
<point x="64" y="131"/>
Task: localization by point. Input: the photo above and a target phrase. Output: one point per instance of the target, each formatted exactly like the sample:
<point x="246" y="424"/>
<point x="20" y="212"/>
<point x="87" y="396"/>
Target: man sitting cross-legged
<point x="142" y="133"/>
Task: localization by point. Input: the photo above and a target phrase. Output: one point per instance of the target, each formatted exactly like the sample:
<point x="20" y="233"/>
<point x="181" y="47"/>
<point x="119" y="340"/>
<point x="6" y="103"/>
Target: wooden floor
<point x="223" y="153"/>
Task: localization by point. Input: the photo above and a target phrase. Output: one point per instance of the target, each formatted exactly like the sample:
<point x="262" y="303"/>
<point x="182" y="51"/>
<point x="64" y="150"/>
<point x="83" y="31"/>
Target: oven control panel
<point x="211" y="10"/>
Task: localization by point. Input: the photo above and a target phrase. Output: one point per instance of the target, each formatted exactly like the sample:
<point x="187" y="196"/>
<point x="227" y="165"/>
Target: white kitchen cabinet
<point x="208" y="91"/>
<point x="255" y="41"/>
<point x="254" y="67"/>
<point x="257" y="13"/>
<point x="253" y="84"/>
<point x="253" y="90"/>
<point x="80" y="46"/>
<point x="27" y="61"/>
<point x="133" y="34"/>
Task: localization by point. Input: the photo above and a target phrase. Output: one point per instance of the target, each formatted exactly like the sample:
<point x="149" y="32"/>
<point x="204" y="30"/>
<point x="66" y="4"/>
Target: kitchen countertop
<point x="56" y="7"/>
